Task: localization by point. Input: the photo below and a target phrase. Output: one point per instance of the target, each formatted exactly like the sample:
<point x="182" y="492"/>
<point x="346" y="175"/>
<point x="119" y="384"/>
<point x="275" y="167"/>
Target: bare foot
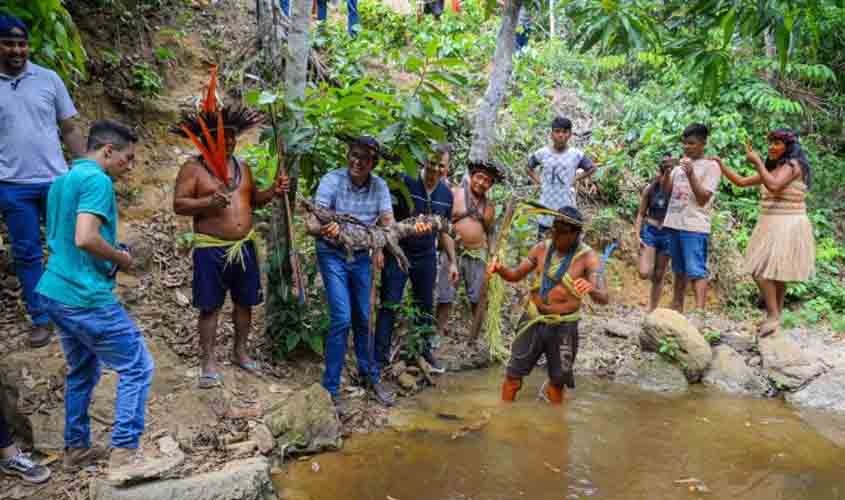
<point x="768" y="327"/>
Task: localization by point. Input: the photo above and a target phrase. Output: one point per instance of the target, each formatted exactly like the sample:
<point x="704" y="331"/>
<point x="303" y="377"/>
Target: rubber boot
<point x="510" y="387"/>
<point x="554" y="393"/>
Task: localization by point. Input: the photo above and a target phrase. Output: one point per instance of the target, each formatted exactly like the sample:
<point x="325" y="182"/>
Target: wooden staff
<point x="296" y="269"/>
<point x="481" y="307"/>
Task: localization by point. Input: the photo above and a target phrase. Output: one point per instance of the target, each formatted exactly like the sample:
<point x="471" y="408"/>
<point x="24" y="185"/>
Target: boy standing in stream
<point x="567" y="271"/>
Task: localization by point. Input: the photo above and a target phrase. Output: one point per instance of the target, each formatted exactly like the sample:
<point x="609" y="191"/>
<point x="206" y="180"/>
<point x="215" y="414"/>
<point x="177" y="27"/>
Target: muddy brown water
<point x="457" y="442"/>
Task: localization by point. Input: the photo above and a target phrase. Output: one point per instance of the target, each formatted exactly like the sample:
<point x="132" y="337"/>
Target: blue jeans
<point x="348" y="293"/>
<point x="107" y="335"/>
<point x="351" y="17"/>
<point x="285" y="5"/>
<point x="6" y="438"/>
<point x="423" y="272"/>
<point x="23" y="207"/>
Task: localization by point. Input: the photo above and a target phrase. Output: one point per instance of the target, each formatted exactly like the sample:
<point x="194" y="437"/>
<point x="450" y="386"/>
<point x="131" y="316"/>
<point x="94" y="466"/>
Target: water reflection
<point x="609" y="442"/>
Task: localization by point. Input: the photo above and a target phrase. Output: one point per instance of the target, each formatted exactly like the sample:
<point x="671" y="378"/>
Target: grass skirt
<point x="782" y="248"/>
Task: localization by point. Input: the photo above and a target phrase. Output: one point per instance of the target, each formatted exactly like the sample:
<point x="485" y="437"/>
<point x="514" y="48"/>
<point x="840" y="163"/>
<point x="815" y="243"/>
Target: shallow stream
<point x="458" y="442"/>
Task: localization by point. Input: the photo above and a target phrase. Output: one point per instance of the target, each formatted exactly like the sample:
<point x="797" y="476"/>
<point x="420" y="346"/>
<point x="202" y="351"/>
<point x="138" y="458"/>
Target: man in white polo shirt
<point x="35" y="110"/>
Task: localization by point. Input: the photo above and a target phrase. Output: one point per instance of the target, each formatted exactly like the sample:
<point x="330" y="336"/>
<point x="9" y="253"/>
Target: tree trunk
<point x="771" y="54"/>
<point x="484" y="130"/>
<point x="271" y="29"/>
<point x="284" y="279"/>
<point x="296" y="79"/>
<point x="296" y="64"/>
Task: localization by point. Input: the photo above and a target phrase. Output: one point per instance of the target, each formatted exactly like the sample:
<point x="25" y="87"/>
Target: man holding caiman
<point x="567" y="271"/>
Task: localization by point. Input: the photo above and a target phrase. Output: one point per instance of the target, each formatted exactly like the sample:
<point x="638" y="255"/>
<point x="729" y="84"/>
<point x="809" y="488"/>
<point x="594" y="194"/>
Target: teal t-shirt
<point x="73" y="276"/>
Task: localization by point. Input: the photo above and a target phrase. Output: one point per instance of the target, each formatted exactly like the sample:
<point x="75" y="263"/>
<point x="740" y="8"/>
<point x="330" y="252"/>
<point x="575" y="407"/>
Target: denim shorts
<point x="689" y="252"/>
<point x="657" y="238"/>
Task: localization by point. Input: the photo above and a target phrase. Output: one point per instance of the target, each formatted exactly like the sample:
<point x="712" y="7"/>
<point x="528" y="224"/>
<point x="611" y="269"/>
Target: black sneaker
<point x="435" y="366"/>
<point x="20" y="465"/>
<point x="382" y="395"/>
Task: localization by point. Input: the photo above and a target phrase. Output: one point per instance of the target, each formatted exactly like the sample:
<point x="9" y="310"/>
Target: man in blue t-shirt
<point x="36" y="116"/>
<point x="76" y="292"/>
<point x="428" y="196"/>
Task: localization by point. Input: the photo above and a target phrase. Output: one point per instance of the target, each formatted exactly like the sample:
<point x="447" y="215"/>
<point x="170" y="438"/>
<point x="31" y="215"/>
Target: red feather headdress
<point x="206" y="128"/>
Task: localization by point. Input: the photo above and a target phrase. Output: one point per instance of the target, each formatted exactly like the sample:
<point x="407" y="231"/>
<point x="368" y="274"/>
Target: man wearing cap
<point x="35" y="111"/>
<point x="354" y="191"/>
<point x="559" y="175"/>
<point x="428" y="196"/>
<point x="472" y="219"/>
<point x="567" y="271"/>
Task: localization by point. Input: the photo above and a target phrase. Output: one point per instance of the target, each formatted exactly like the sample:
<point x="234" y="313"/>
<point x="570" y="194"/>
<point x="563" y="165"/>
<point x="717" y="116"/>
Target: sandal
<point x="210" y="380"/>
<point x="250" y="366"/>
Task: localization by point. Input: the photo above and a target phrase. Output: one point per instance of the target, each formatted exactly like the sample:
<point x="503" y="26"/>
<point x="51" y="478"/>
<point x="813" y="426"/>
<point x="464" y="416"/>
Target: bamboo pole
<point x="481" y="307"/>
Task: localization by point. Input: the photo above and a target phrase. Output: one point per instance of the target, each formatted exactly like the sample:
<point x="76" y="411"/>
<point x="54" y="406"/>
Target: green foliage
<point x="164" y="54"/>
<point x="418" y="332"/>
<point x="712" y="337"/>
<point x="54" y="40"/>
<point x="669" y="348"/>
<point x="146" y="80"/>
<point x="290" y="326"/>
<point x="406" y="120"/>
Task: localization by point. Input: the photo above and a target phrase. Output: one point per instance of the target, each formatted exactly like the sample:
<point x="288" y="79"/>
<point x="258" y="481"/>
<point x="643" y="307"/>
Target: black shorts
<point x="558" y="342"/>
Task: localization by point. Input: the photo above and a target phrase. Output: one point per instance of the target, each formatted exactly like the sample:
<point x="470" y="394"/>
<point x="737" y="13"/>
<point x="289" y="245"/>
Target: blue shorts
<point x="689" y="252"/>
<point x="213" y="277"/>
<point x="656" y="238"/>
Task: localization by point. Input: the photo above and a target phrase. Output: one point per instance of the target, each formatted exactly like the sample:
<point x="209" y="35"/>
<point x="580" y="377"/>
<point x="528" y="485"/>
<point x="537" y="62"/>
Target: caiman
<point x="355" y="236"/>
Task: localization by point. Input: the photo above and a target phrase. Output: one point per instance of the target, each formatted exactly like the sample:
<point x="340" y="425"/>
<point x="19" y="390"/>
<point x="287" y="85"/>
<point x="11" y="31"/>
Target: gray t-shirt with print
<point x="31" y="106"/>
<point x="557" y="176"/>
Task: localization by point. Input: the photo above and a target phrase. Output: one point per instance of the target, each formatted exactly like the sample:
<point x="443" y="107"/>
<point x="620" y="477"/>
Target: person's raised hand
<point x="750" y="154"/>
<point x="583" y="286"/>
<point x="282" y="185"/>
<point x="330" y="230"/>
<point x="686" y="164"/>
<point x="494" y="266"/>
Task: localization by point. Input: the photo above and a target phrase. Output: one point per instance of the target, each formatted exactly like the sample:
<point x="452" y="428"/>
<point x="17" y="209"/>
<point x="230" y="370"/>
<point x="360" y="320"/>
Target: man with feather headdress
<point x="217" y="190"/>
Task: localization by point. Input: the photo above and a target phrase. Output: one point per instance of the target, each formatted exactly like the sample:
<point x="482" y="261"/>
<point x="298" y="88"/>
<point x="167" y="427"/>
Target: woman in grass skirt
<point x="782" y="247"/>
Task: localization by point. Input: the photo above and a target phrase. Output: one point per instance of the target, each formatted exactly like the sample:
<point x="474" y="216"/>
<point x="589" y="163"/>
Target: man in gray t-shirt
<point x="559" y="171"/>
<point x="35" y="109"/>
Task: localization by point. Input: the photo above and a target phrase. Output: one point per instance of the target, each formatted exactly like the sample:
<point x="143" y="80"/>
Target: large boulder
<point x="305" y="423"/>
<point x="729" y="373"/>
<point x="652" y="373"/>
<point x="241" y="480"/>
<point x="786" y="364"/>
<point x="664" y="326"/>
<point x="824" y="393"/>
